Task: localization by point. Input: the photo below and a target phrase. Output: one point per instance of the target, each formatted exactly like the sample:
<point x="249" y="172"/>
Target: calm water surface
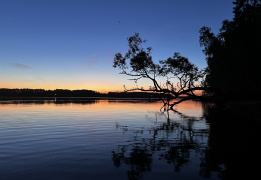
<point x="112" y="139"/>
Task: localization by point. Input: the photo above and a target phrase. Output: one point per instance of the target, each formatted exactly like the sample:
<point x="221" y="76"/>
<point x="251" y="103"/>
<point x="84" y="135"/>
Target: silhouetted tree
<point x="182" y="77"/>
<point x="233" y="54"/>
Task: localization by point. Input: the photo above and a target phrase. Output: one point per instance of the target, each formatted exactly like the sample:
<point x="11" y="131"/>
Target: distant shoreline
<point x="75" y="98"/>
<point x="72" y="94"/>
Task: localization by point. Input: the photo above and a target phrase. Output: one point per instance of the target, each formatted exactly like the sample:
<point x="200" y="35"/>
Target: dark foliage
<point x="233" y="55"/>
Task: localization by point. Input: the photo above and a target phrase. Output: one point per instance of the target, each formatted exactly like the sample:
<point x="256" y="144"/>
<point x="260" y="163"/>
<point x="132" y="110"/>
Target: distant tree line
<point x="5" y="93"/>
<point x="47" y="93"/>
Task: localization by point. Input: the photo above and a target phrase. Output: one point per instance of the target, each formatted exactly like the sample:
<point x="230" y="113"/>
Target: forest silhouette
<point x="233" y="55"/>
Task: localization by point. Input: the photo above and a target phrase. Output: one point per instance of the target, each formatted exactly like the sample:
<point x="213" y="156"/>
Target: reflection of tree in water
<point x="168" y="140"/>
<point x="139" y="159"/>
<point x="229" y="146"/>
<point x="234" y="144"/>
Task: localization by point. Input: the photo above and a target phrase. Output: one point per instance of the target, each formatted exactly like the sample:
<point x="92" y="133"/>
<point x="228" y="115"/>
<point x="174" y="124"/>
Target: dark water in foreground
<point x="112" y="139"/>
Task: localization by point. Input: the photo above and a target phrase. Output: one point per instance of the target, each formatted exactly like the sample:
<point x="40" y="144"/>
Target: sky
<point x="70" y="44"/>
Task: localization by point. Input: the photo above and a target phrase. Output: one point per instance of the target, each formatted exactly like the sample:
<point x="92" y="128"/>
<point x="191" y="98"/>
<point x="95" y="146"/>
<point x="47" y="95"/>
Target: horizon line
<point x="105" y="92"/>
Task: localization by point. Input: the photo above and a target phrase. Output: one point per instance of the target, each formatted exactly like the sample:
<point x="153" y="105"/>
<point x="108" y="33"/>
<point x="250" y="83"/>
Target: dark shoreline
<point x="74" y="98"/>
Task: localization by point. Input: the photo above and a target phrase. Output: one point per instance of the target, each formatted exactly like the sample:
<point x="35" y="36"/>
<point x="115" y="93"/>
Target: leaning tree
<point x="182" y="79"/>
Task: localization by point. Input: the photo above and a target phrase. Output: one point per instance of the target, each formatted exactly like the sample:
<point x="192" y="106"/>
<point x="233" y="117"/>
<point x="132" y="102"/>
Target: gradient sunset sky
<point x="70" y="44"/>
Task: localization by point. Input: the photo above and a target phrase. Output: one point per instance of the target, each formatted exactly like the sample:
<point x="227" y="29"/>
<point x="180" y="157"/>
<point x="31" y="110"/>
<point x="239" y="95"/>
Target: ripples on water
<point x="103" y="139"/>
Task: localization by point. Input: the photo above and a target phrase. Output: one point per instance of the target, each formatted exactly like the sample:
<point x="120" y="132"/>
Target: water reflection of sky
<point x="61" y="139"/>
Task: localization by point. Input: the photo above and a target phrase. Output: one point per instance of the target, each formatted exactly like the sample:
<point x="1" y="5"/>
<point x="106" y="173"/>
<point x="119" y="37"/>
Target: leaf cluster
<point x="139" y="58"/>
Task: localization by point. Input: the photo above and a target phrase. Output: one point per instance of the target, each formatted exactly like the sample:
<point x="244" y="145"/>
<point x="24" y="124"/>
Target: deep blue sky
<point x="70" y="44"/>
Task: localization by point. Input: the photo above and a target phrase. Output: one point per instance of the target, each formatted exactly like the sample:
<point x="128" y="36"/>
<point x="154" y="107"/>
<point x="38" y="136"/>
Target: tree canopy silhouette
<point x="233" y="55"/>
<point x="181" y="77"/>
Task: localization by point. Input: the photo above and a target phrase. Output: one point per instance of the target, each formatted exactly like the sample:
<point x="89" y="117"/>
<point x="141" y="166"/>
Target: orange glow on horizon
<point x="86" y="87"/>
